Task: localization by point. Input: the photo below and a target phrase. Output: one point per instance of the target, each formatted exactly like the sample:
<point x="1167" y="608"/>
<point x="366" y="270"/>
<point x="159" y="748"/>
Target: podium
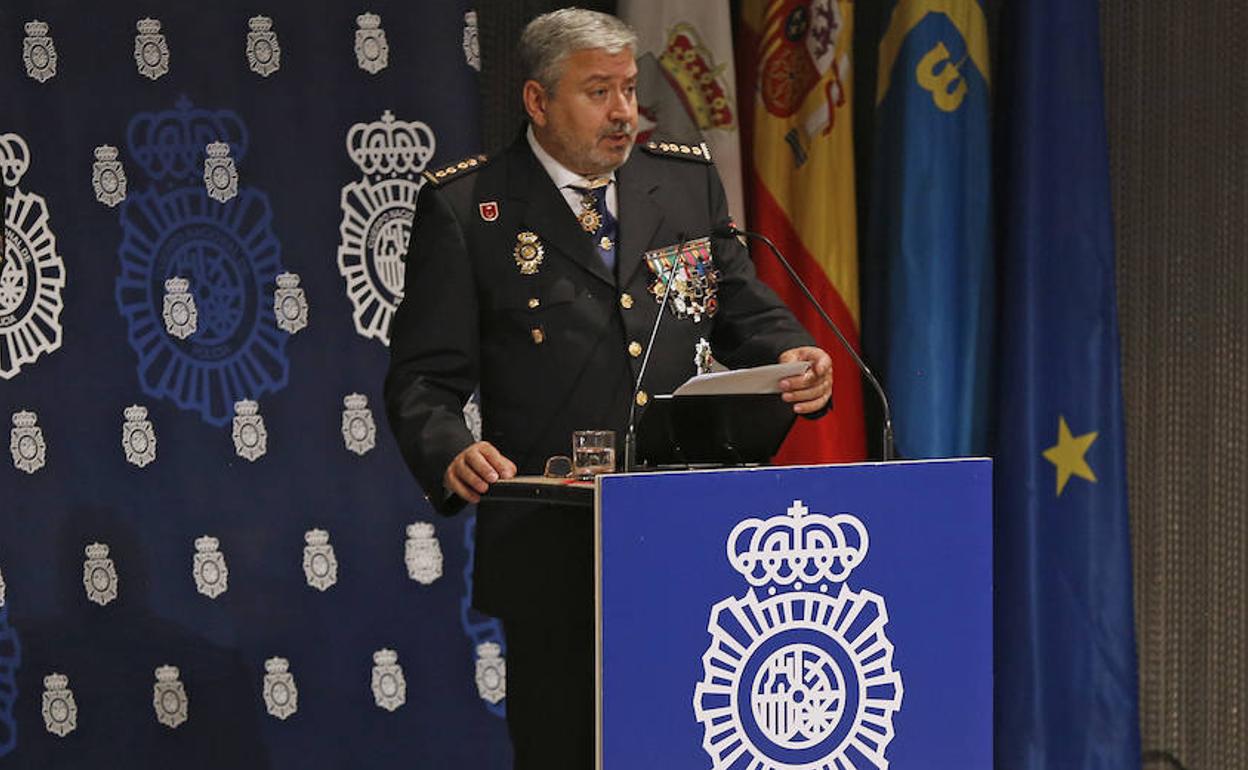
<point x="822" y="617"/>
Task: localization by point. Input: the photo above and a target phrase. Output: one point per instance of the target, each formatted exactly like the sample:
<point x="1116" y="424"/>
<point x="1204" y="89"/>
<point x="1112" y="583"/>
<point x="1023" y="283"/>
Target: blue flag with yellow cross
<point x="928" y="276"/>
<point x="1066" y="675"/>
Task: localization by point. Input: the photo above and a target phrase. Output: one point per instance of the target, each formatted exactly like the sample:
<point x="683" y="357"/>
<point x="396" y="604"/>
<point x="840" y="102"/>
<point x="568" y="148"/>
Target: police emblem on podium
<point x="389" y="686"/>
<point x="377" y="215"/>
<point x="208" y="567"/>
<point x="26" y="442"/>
<point x="491" y="673"/>
<point x="39" y="51"/>
<point x="32" y="274"/>
<point x="803" y="675"/>
<point x="422" y="553"/>
<point x="290" y="304"/>
<point x="151" y="52"/>
<point x="320" y="565"/>
<point x="225" y="251"/>
<point x="264" y="55"/>
<point x="372" y="53"/>
<point x="99" y="575"/>
<point x="169" y="699"/>
<point x="138" y="436"/>
<point x="60" y="712"/>
<point x="108" y="177"/>
<point x="251" y="440"/>
<point x="281" y="696"/>
<point x="220" y="173"/>
<point x="359" y="432"/>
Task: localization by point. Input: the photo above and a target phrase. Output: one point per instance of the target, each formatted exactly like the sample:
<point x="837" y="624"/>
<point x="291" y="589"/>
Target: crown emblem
<point x="14" y="158"/>
<point x="106" y="152"/>
<point x="420" y="530"/>
<point x="797" y="548"/>
<point x="167" y="674"/>
<point x="390" y="146"/>
<point x="217" y="150"/>
<point x="368" y="21"/>
<point x="691" y="64"/>
<point x="287" y="280"/>
<point x="177" y="285"/>
<point x="246" y="408"/>
<point x="260" y="23"/>
<point x="55" y="682"/>
<point x="24" y="419"/>
<point x="97" y="551"/>
<point x="135" y="413"/>
<point x="489" y="650"/>
<point x="207" y="544"/>
<point x="276" y="666"/>
<point x="385" y="657"/>
<point x="316" y="537"/>
<point x="169" y="144"/>
<point x="36" y="28"/>
<point x="148" y="26"/>
<point x="355" y="401"/>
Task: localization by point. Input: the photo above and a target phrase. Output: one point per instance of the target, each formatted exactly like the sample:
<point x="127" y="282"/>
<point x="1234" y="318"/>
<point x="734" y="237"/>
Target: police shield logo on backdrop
<point x="169" y="699"/>
<point x="38" y="51"/>
<point x="802" y="678"/>
<point x="99" y="575"/>
<point x="26" y="442"/>
<point x="60" y="712"/>
<point x="377" y="214"/>
<point x="108" y="177"/>
<point x="281" y="696"/>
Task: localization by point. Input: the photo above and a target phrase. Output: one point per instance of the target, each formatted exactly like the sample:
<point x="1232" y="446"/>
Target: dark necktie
<point x="596" y="220"/>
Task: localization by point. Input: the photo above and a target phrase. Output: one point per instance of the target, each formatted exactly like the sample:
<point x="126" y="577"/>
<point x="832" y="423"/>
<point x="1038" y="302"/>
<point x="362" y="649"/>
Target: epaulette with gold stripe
<point x="457" y="169"/>
<point x="697" y="151"/>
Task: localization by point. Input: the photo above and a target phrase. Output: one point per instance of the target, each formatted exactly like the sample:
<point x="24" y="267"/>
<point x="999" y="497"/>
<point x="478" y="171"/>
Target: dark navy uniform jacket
<point x="558" y="350"/>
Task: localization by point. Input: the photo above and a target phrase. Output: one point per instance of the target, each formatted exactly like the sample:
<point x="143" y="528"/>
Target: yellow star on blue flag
<point x="1068" y="455"/>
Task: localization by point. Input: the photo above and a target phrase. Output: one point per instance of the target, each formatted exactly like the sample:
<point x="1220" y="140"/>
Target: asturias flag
<point x="796" y="96"/>
<point x="929" y="281"/>
<point x="1066" y="678"/>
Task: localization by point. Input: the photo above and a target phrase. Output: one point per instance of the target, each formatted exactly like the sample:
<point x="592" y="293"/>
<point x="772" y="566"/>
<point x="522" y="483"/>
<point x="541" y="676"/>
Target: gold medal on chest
<point x="528" y="252"/>
<point x="589" y="217"/>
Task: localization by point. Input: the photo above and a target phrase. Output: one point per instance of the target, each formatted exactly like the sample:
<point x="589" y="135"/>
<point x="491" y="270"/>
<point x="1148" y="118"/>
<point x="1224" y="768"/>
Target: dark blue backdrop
<point x="301" y="204"/>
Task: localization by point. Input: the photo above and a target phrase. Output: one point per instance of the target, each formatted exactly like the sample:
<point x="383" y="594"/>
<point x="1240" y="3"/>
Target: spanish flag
<point x="795" y="96"/>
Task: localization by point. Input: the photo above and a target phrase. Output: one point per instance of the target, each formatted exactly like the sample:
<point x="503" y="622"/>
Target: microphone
<point x="728" y="230"/>
<point x="630" y="438"/>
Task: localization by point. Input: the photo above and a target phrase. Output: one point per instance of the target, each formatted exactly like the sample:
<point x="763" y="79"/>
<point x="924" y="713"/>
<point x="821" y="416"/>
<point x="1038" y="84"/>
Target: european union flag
<point x="929" y="282"/>
<point x="1066" y="692"/>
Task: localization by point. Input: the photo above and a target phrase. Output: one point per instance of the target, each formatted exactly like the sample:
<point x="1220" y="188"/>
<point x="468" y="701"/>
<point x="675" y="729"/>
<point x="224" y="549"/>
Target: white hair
<point x="552" y="37"/>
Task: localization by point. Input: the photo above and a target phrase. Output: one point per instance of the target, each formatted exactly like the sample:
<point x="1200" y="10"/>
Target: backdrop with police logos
<point x="211" y="553"/>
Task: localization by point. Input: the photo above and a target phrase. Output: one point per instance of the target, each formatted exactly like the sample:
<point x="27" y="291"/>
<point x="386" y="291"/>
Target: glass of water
<point x="593" y="452"/>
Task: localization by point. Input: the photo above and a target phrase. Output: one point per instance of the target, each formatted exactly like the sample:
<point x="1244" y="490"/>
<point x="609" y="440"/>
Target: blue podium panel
<point x="817" y="618"/>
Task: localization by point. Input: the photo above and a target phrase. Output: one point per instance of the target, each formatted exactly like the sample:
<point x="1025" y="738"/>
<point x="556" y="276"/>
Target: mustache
<point x="621" y="127"/>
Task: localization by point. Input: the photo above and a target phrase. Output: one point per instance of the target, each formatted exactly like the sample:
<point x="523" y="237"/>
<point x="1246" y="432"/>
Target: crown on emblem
<point x="97" y="551"/>
<point x="218" y="150"/>
<point x="135" y="413"/>
<point x="169" y="144"/>
<point x="206" y="544"/>
<point x="177" y="285"/>
<point x="421" y="530"/>
<point x="55" y="682"/>
<point x="148" y="26"/>
<point x="287" y="280"/>
<point x="276" y="666"/>
<point x="106" y="152"/>
<point x="14" y="158"/>
<point x="24" y="419"/>
<point x="488" y="650"/>
<point x="246" y="408"/>
<point x="167" y="674"/>
<point x="316" y="537"/>
<point x="385" y="657"/>
<point x="355" y="401"/>
<point x="690" y="63"/>
<point x="797" y="548"/>
<point x="36" y="28"/>
<point x="368" y="21"/>
<point x="260" y="23"/>
<point x="390" y="145"/>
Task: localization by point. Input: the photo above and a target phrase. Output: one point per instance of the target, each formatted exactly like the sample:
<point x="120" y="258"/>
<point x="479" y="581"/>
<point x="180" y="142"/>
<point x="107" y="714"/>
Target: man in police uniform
<point x="528" y="277"/>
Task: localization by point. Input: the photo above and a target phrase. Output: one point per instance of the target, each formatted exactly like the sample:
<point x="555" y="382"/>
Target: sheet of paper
<point x="760" y="379"/>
